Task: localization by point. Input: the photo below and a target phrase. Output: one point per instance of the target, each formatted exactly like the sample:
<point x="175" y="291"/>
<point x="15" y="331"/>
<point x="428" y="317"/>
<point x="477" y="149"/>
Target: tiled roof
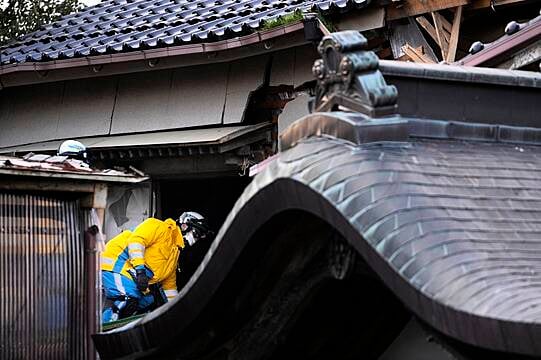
<point x="127" y="25"/>
<point x="517" y="36"/>
<point x="452" y="227"/>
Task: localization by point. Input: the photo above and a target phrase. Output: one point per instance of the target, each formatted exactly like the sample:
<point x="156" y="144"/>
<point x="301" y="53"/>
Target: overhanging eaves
<point x="160" y="144"/>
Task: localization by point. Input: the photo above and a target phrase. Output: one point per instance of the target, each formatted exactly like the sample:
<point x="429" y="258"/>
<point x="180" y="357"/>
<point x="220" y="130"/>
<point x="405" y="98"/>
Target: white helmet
<point x="72" y="148"/>
<point x="193" y="226"/>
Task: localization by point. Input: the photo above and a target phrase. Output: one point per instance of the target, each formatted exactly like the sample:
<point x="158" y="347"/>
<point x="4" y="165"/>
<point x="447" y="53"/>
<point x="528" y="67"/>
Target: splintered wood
<point x="443" y="33"/>
<point x="416" y="54"/>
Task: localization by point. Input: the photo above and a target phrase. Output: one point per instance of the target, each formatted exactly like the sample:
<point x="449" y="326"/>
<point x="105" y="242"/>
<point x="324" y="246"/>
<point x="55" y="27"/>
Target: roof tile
<point x="154" y="23"/>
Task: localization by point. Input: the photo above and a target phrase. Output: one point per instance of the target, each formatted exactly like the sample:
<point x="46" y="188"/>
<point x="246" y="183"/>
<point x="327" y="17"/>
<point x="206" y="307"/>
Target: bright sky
<point x="90" y="2"/>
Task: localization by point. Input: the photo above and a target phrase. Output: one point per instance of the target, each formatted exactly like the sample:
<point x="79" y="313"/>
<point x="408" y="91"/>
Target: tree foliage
<point x="19" y="17"/>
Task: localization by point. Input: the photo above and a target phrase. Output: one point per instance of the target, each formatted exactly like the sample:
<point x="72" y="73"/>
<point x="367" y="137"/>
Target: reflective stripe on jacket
<point x="153" y="243"/>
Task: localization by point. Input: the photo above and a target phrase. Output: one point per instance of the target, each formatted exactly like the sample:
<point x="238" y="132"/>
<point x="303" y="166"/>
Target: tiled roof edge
<point x="461" y="73"/>
<point x="523" y="34"/>
<point x="188" y="49"/>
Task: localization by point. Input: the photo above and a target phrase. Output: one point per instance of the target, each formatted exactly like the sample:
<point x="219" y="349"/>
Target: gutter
<point x="154" y="59"/>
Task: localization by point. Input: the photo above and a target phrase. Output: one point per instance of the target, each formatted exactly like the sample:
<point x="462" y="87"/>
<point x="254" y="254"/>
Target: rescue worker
<point x="73" y="149"/>
<point x="147" y="256"/>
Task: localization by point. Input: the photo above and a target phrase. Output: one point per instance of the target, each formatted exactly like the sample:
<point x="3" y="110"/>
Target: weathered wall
<point x="156" y="100"/>
<point x="150" y="101"/>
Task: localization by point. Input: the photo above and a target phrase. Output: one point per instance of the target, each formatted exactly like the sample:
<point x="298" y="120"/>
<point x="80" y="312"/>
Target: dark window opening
<point x="211" y="197"/>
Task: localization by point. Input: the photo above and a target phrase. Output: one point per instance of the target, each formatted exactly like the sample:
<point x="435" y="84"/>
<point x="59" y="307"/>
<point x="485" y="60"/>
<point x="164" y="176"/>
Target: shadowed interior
<point x="282" y="300"/>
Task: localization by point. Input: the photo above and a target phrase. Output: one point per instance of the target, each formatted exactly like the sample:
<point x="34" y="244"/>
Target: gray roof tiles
<point x="119" y="25"/>
<point x="451" y="227"/>
<point x="516" y="36"/>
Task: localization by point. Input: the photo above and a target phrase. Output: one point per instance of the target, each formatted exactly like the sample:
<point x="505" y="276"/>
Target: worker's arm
<point x="142" y="237"/>
<point x="170" y="286"/>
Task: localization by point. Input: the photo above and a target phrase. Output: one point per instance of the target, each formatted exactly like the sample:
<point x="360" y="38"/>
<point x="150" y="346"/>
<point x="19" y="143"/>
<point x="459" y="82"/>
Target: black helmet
<point x="194" y="227"/>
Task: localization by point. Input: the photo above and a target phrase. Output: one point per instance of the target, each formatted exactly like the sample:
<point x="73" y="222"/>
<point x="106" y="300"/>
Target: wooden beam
<point x="481" y="4"/>
<point x="404" y="57"/>
<point x="446" y="36"/>
<point x="417" y="7"/>
<point x="412" y="54"/>
<point x="447" y="26"/>
<point x="96" y="199"/>
<point x="429" y="28"/>
<point x="439" y="34"/>
<point x="416" y="54"/>
<point x="453" y="42"/>
<point x="46" y="185"/>
<point x="402" y="33"/>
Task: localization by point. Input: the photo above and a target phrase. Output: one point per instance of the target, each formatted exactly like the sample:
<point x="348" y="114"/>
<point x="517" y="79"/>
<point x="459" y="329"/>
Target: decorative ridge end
<point x="348" y="76"/>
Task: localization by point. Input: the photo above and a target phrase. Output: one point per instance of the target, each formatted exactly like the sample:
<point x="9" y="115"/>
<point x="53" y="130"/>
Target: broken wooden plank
<point x="415" y="7"/>
<point x="412" y="54"/>
<point x="453" y="42"/>
<point x="428" y="27"/>
<point x="447" y="26"/>
<point x="446" y="36"/>
<point x="402" y="33"/>
<point x="416" y="54"/>
<point x="404" y="57"/>
<point x="440" y="35"/>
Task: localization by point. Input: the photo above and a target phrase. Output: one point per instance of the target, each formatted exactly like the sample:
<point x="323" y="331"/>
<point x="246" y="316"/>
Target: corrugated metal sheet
<point x="42" y="306"/>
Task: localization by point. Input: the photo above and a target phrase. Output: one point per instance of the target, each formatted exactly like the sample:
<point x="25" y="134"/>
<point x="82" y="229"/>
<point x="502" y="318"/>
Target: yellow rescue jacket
<point x="153" y="243"/>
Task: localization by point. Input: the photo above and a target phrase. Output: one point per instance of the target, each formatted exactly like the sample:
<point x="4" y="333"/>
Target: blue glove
<point x="141" y="278"/>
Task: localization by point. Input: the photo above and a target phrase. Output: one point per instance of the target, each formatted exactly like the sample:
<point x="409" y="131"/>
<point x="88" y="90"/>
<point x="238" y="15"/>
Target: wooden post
<point x="429" y="28"/>
<point x="91" y="291"/>
<point x="453" y="42"/>
<point x="438" y="25"/>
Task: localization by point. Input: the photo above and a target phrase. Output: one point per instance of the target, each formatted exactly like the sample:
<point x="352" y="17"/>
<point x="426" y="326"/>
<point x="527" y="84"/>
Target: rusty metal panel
<point x="42" y="307"/>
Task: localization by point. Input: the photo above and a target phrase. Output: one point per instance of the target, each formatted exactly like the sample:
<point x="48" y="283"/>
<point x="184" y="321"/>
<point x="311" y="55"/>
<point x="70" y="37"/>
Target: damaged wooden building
<point x="194" y="93"/>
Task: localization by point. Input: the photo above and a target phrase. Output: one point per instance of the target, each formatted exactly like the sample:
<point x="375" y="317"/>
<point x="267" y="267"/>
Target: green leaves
<point x="20" y="17"/>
